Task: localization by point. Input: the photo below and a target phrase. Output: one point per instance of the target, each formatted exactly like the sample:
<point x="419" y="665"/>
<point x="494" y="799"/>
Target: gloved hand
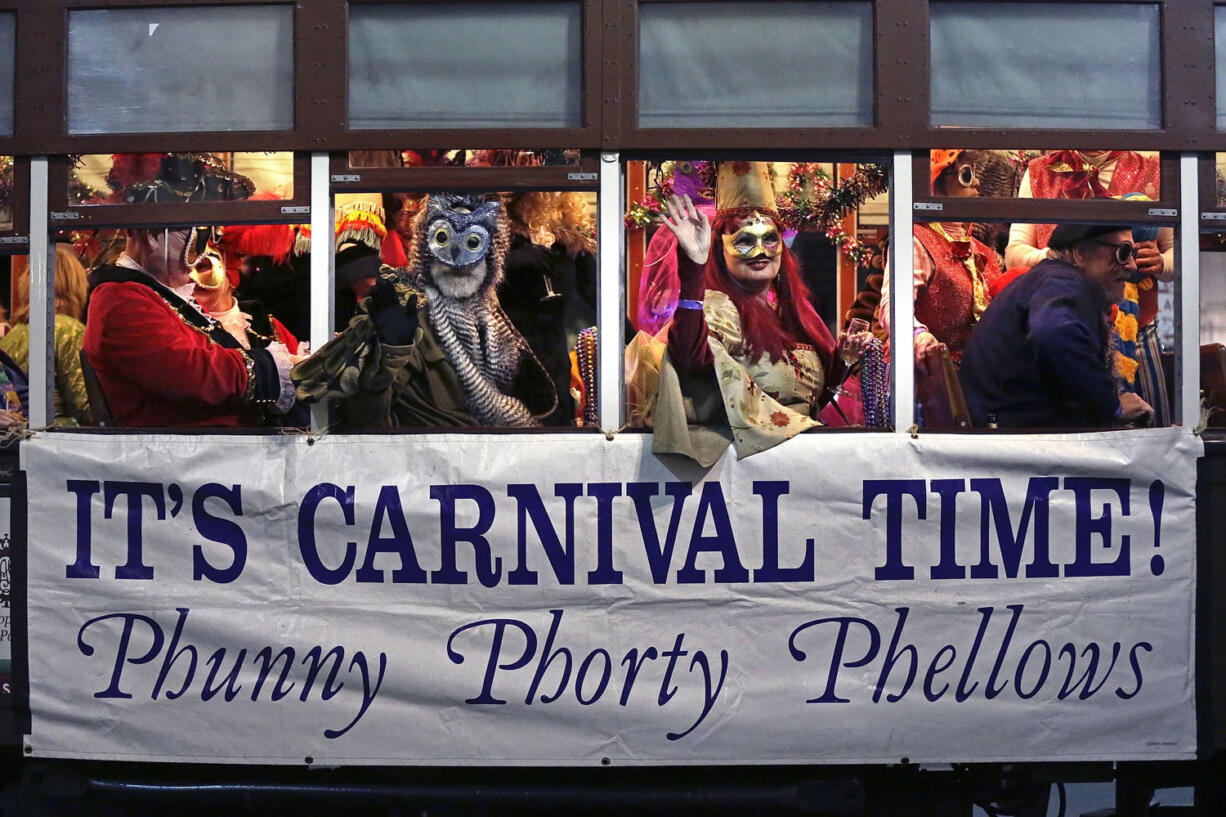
<point x="396" y="322"/>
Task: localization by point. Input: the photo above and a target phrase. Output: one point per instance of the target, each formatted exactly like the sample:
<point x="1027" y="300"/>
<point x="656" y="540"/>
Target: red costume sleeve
<point x="136" y="337"/>
<point x="687" y="337"/>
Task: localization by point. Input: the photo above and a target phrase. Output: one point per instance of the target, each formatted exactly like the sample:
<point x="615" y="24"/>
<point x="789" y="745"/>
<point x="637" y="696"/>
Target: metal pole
<point x="611" y="284"/>
<point x="1187" y="295"/>
<point x="902" y="307"/>
<point x="323" y="262"/>
<point x="42" y="300"/>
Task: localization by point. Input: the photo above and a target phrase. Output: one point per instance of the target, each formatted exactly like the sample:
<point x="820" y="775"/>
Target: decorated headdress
<point x="360" y="233"/>
<point x="160" y="177"/>
<point x="360" y="222"/>
<point x="742" y="188"/>
<point x="938" y="160"/>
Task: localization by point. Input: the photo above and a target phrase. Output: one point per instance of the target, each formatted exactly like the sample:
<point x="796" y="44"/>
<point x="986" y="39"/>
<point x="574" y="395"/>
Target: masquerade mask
<point x="759" y="237"/>
<point x="461" y="228"/>
<point x="198" y="240"/>
<point x="1125" y="251"/>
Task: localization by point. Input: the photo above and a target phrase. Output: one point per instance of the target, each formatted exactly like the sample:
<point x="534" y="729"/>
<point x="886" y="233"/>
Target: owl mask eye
<point x="474" y="240"/>
<point x="457" y="244"/>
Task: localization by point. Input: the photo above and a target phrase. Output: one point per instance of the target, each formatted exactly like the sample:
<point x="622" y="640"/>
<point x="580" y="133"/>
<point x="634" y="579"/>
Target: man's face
<point x="1098" y="259"/>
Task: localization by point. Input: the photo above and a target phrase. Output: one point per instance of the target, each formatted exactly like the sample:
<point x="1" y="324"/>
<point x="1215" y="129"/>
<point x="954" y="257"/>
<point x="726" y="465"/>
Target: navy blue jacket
<point x="1039" y="356"/>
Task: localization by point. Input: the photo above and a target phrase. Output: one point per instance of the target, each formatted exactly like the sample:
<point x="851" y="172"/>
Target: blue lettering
<point x="222" y="531"/>
<point x="488" y="568"/>
<point x="722" y="541"/>
<point x="894" y="490"/>
<point x="388" y="507"/>
<point x="306" y="532"/>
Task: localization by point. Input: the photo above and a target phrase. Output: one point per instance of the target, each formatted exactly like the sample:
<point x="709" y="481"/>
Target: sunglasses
<point x="1125" y="251"/>
<point x="966" y="175"/>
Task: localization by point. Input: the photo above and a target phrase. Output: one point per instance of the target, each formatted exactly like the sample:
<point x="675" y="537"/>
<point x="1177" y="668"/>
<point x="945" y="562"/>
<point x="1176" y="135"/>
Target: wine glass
<point x="851" y="346"/>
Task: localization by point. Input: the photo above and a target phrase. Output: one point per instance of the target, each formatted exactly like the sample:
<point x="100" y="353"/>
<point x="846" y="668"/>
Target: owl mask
<point x="460" y="228"/>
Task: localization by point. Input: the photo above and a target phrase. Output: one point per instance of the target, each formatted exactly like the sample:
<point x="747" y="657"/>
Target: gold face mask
<point x="758" y="237"/>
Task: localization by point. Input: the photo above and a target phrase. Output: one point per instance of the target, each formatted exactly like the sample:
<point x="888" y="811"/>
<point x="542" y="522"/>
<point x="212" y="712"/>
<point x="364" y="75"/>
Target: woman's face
<point x="753" y="249"/>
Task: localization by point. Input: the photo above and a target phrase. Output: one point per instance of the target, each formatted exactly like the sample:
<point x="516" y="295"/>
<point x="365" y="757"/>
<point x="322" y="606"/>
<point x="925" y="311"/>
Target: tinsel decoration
<point x="80" y="193"/>
<point x="852" y="248"/>
<point x="867" y="182"/>
<point x="86" y="245"/>
<point x="93" y="246"/>
<point x="800" y="205"/>
<point x="811" y="203"/>
<point x="641" y="213"/>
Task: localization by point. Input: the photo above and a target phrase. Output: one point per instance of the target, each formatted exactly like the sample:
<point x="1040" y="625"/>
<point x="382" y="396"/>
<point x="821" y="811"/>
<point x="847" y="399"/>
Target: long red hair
<point x="763" y="330"/>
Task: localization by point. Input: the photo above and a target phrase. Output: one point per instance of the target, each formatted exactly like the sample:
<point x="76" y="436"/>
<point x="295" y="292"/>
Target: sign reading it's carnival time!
<point x="483" y="599"/>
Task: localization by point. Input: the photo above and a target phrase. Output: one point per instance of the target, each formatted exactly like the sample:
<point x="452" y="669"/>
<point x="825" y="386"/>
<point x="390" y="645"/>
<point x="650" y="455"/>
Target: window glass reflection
<point x="463" y="158"/>
<point x="465" y="65"/>
<point x="144" y="178"/>
<point x="714" y="64"/>
<point x="1213" y="327"/>
<point x="207" y="68"/>
<point x="6" y="193"/>
<point x="1058" y="174"/>
<point x="8" y="69"/>
<point x="1008" y="65"/>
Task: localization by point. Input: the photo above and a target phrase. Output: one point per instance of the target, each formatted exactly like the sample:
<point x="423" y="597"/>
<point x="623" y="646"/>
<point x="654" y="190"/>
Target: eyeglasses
<point x="1125" y="251"/>
<point x="966" y="175"/>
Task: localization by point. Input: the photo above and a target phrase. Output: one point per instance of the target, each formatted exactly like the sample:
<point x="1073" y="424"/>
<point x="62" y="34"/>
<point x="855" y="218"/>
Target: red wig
<point x="763" y="330"/>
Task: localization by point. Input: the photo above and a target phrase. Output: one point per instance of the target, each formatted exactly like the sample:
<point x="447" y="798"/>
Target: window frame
<point x="586" y="135"/>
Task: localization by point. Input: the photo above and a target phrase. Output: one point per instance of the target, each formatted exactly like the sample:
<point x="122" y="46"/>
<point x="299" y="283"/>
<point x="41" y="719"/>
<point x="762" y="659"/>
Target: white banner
<point x="482" y="599"/>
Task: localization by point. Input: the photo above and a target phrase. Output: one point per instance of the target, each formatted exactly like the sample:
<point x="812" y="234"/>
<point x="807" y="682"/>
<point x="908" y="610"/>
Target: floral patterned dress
<point x="767" y="402"/>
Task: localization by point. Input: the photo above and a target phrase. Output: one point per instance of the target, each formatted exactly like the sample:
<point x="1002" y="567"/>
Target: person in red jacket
<point x="160" y="357"/>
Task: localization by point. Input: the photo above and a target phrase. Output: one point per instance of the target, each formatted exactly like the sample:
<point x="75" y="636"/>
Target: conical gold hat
<point x="744" y="187"/>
